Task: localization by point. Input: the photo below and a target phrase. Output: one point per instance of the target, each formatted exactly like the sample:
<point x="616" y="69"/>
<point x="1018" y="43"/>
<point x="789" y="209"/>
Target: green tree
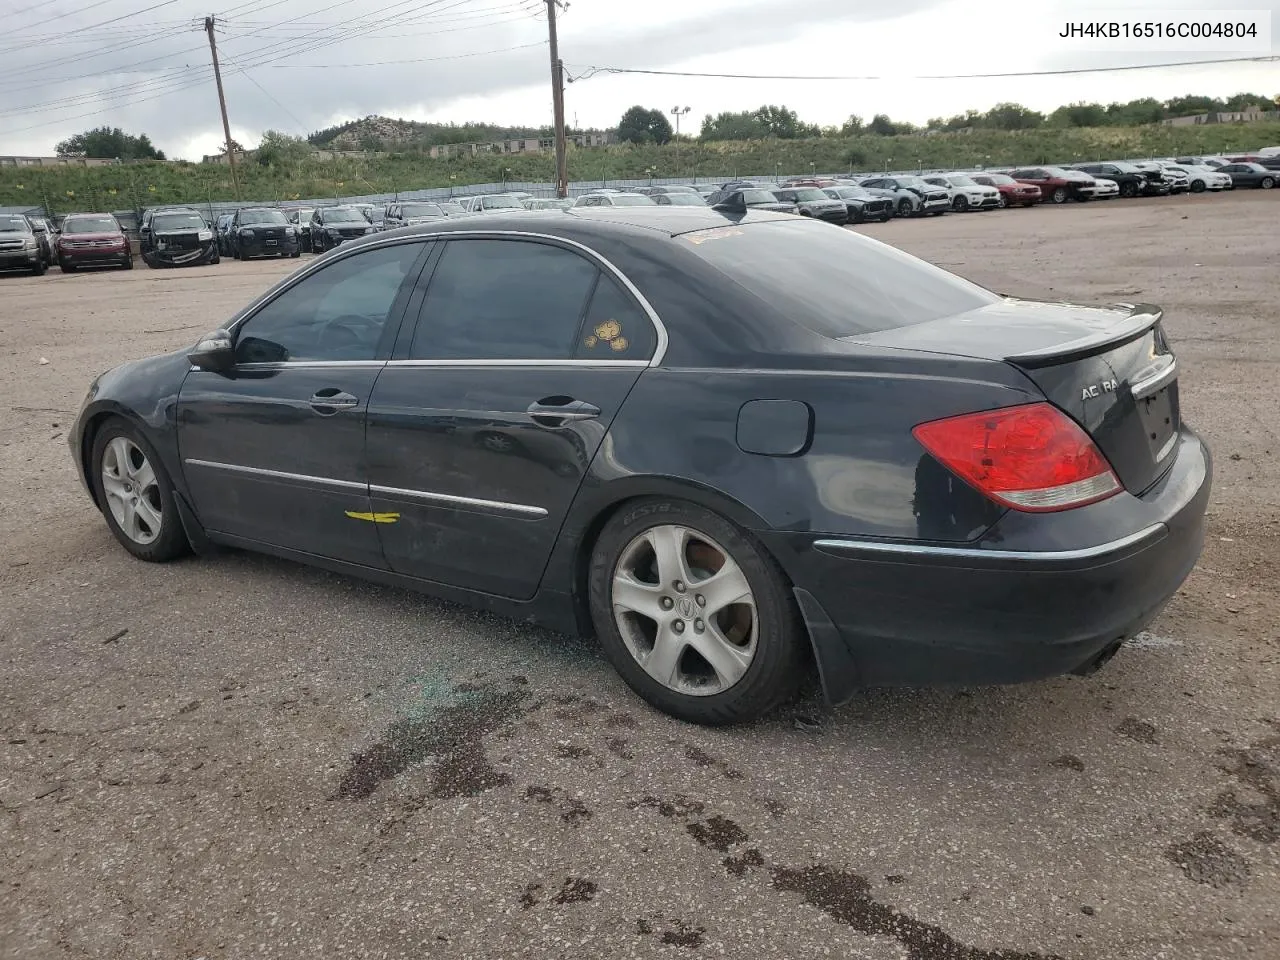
<point x="641" y="125"/>
<point x="783" y="123"/>
<point x="1191" y="104"/>
<point x="111" y="143"/>
<point x="734" y="126"/>
<point x="277" y="149"/>
<point x="1243" y="101"/>
<point x="882" y="126"/>
<point x="1012" y="116"/>
<point x="853" y="126"/>
<point x="1079" y="115"/>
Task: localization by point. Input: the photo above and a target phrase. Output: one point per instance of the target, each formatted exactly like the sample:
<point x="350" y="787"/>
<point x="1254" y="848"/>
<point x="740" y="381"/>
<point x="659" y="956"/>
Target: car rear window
<point x="837" y="283"/>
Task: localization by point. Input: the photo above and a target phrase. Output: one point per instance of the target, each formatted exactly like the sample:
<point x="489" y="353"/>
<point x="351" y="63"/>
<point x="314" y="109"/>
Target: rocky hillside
<point x="380" y="133"/>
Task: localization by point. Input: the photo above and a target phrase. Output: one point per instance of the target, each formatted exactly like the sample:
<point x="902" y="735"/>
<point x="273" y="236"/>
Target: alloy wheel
<point x="685" y="610"/>
<point x="133" y="494"/>
<point x="904" y="207"/>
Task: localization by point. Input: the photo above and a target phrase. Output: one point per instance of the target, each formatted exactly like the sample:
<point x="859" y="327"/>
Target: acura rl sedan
<point x="729" y="447"/>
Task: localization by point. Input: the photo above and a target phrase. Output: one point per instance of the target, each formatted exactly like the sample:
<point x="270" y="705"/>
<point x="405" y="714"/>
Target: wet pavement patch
<point x="529" y="898"/>
<point x="675" y="807"/>
<point x="1257" y="770"/>
<point x="575" y="890"/>
<point x="846" y="898"/>
<point x="684" y="936"/>
<point x="572" y="810"/>
<point x="1068" y="761"/>
<point x="719" y="833"/>
<point x="453" y="733"/>
<point x="1136" y="729"/>
<point x="1206" y="859"/>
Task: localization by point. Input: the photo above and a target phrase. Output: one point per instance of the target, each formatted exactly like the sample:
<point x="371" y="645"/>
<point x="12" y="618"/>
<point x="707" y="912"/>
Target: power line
<point x="387" y="63"/>
<point x="590" y="72"/>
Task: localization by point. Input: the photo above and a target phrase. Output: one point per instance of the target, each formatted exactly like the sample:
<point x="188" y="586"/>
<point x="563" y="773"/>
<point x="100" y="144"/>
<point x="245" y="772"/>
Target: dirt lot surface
<point x="238" y="756"/>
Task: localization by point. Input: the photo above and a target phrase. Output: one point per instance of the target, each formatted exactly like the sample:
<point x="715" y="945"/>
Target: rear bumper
<point x="1040" y="595"/>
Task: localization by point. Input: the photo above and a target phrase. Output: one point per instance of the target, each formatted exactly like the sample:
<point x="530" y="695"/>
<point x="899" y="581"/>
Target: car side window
<point x="336" y="313"/>
<point x="615" y="328"/>
<point x="503" y="300"/>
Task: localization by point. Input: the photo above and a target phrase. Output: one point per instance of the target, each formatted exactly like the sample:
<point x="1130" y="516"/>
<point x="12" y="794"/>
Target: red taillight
<point x="1031" y="457"/>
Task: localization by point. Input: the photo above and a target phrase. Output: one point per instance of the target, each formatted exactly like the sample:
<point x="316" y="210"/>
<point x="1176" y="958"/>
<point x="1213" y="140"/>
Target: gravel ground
<point x="237" y="756"/>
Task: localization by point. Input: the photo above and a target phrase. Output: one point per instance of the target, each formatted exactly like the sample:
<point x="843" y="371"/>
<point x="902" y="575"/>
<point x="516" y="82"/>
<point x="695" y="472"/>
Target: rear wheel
<point x="136" y="495"/>
<point x="693" y="614"/>
<point x="1059" y="195"/>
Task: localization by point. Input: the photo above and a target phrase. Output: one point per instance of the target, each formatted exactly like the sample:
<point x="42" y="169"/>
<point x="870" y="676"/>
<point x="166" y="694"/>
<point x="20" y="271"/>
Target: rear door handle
<point x="557" y="411"/>
<point x="331" y="400"/>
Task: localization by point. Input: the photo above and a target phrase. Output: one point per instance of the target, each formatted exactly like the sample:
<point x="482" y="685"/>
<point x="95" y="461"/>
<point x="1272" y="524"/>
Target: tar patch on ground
<point x="846" y="898"/>
<point x="529" y="899"/>
<point x="1136" y="729"/>
<point x="675" y="807"/>
<point x="1068" y="761"/>
<point x="719" y="833"/>
<point x="738" y="866"/>
<point x="701" y="758"/>
<point x="454" y="734"/>
<point x="624" y="720"/>
<point x="684" y="935"/>
<point x="575" y="890"/>
<point x="1206" y="859"/>
<point x="1252" y="810"/>
<point x="619" y="748"/>
<point x="572" y="810"/>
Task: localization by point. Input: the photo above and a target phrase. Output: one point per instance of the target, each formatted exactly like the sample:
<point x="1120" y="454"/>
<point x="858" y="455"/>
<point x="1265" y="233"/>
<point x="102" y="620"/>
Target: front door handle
<point x="557" y="411"/>
<point x="331" y="400"/>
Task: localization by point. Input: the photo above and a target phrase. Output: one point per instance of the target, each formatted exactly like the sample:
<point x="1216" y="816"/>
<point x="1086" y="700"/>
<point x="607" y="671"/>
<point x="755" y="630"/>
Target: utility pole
<point x="679" y="112"/>
<point x="209" y="24"/>
<point x="557" y="99"/>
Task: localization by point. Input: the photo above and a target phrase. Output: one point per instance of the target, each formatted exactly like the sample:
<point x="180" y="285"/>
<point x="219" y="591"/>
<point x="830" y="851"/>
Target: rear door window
<point x="504" y="300"/>
<point x="837" y="283"/>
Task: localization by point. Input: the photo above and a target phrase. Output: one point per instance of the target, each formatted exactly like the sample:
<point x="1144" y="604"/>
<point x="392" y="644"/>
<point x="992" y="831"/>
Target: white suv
<point x="964" y="192"/>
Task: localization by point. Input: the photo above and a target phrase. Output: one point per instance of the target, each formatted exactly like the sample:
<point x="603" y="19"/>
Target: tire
<point x="960" y="204"/>
<point x="1266" y="183"/>
<point x="217" y="258"/>
<point x="1128" y="190"/>
<point x="1197" y="186"/>
<point x="296" y="254"/>
<point x="39" y="269"/>
<point x="150" y="262"/>
<point x="885" y="217"/>
<point x="117" y="448"/>
<point x="128" y="264"/>
<point x="760" y="675"/>
<point x="1059" y="195"/>
<point x="905" y="208"/>
<point x="66" y="266"/>
<point x="1002" y="203"/>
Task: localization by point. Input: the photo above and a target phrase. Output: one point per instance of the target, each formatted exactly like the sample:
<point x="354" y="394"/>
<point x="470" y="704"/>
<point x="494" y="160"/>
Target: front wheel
<point x="1002" y="202"/>
<point x="39" y="269"/>
<point x="1128" y="190"/>
<point x="127" y="264"/>
<point x="905" y="209"/>
<point x="696" y="617"/>
<point x="1267" y="183"/>
<point x="135" y="494"/>
<point x="960" y="204"/>
<point x="1197" y="186"/>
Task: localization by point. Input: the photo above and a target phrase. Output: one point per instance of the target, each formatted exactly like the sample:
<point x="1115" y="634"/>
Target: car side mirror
<point x="215" y="352"/>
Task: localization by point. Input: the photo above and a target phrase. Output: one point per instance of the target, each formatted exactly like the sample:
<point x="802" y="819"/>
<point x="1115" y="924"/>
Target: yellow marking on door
<point x="373" y="517"/>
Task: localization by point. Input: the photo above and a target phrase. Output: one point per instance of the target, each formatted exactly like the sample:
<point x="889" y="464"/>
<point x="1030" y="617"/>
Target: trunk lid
<point x="1110" y="369"/>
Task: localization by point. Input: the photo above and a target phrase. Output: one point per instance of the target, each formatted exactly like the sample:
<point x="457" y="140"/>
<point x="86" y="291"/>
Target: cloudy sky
<point x="299" y="65"/>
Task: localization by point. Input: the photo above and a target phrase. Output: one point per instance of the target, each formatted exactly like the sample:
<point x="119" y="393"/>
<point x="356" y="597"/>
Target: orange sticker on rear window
<point x="716" y="234"/>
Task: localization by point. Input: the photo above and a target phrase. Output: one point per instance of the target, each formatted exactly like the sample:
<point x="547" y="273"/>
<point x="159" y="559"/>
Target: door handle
<point x="331" y="400"/>
<point x="557" y="411"/>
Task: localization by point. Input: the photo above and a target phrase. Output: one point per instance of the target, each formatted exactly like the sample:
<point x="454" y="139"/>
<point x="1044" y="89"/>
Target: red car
<point x="92" y="240"/>
<point x="1056" y="184"/>
<point x="1012" y="193"/>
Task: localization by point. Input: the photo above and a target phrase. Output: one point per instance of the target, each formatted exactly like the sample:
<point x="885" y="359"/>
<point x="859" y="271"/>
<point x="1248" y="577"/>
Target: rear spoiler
<point x="1142" y="317"/>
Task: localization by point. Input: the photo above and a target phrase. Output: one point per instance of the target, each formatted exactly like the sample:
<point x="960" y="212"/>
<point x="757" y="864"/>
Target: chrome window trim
<point x="278" y="474"/>
<point x="659" y="352"/>
<point x="448" y="499"/>
<point x="518" y="363"/>
<point x="842" y="546"/>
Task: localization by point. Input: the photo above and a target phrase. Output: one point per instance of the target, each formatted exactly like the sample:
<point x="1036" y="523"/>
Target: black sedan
<point x="1250" y="175"/>
<point x="667" y="428"/>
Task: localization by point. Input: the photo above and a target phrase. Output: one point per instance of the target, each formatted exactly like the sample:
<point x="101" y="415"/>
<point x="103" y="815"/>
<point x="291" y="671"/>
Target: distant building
<point x="1254" y="114"/>
<point x="241" y="156"/>
<point x="57" y="161"/>
<point x="443" y="151"/>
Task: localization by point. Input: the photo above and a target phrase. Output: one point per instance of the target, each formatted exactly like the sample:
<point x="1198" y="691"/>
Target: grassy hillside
<point x="139" y="185"/>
